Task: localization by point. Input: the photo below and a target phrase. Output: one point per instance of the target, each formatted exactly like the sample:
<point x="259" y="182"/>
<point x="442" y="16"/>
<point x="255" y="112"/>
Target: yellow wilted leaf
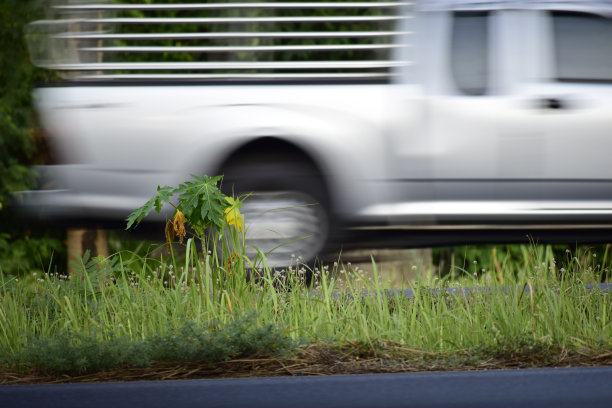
<point x="179" y="225"/>
<point x="233" y="217"/>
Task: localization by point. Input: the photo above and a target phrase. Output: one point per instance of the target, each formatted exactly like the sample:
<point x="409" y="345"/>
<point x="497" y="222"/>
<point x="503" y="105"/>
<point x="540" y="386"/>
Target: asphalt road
<point x="558" y="388"/>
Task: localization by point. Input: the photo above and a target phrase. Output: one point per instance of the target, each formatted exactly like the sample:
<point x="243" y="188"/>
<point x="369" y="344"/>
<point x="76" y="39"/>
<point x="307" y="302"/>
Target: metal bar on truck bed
<point x="241" y="20"/>
<point x="215" y="6"/>
<point x="199" y="36"/>
<point x="119" y="66"/>
<point x="240" y="76"/>
<point x="273" y="48"/>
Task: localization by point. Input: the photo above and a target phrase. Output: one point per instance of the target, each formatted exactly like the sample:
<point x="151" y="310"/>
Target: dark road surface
<point x="575" y="387"/>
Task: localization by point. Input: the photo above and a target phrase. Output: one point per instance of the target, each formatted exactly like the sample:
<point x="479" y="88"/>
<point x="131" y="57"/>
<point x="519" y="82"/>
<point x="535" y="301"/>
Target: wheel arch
<point x="280" y="150"/>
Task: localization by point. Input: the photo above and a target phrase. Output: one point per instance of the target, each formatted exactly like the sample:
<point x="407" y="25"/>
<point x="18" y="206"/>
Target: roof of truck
<point x="603" y="6"/>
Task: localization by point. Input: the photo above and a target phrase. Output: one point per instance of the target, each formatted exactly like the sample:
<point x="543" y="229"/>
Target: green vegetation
<point x="23" y="249"/>
<point x="17" y="140"/>
<point x="205" y="308"/>
<point x="77" y="354"/>
<point x="208" y="307"/>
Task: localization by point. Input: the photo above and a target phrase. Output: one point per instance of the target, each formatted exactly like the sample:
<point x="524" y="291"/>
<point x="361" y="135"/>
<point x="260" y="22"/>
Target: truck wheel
<point x="286" y="215"/>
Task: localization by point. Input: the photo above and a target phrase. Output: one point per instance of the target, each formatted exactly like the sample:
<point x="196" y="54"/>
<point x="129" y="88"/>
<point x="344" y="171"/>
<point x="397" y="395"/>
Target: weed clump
<point x="522" y="352"/>
<point x="79" y="354"/>
<point x="239" y="339"/>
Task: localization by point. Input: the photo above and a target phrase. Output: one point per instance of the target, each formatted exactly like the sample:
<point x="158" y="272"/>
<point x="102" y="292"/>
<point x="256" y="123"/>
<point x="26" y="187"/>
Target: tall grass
<point x="540" y="301"/>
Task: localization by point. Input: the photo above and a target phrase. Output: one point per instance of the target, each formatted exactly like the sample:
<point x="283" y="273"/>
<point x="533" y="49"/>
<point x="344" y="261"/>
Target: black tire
<point x="287" y="216"/>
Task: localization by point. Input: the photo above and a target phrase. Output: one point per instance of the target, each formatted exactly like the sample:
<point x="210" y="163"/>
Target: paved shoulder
<point x="517" y="388"/>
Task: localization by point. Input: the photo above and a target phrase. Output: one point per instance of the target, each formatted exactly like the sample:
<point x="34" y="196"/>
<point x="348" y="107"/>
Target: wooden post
<point x="81" y="240"/>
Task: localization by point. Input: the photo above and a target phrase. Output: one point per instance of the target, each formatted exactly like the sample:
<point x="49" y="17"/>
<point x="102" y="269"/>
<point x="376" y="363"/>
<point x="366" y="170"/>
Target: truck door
<point x="455" y="160"/>
<point x="572" y="103"/>
<point x="467" y="110"/>
<point x="522" y="129"/>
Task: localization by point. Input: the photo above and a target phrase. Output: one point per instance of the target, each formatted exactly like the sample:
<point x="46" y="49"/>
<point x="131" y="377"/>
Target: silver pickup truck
<point x="429" y="119"/>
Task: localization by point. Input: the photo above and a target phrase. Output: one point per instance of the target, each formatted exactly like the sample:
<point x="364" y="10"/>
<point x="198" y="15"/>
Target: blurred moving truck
<point x="433" y="121"/>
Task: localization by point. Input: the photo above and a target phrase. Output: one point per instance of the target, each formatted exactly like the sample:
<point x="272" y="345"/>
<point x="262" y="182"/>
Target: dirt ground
<point x="323" y="360"/>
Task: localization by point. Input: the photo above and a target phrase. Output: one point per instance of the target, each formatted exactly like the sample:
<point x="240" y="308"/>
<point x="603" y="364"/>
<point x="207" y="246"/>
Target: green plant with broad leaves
<point x="203" y="207"/>
<point x="200" y="202"/>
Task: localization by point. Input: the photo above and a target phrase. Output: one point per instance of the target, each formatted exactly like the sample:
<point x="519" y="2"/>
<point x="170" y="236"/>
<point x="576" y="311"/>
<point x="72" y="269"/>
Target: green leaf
<point x="160" y="197"/>
<point x="202" y="202"/>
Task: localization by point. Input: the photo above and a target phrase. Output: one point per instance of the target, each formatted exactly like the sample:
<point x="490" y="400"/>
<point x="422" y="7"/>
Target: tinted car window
<point x="469" y="53"/>
<point x="583" y="46"/>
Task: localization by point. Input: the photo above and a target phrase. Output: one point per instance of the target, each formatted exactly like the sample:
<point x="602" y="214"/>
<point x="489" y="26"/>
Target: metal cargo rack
<point x="223" y="40"/>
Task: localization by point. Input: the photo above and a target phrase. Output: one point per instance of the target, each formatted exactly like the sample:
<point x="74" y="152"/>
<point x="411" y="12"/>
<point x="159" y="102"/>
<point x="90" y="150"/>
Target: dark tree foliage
<point x="20" y="140"/>
<point x="16" y="75"/>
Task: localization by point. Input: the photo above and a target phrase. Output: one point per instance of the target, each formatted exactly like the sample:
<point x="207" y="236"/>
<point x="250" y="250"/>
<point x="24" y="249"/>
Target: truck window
<point x="583" y="47"/>
<point x="469" y="52"/>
